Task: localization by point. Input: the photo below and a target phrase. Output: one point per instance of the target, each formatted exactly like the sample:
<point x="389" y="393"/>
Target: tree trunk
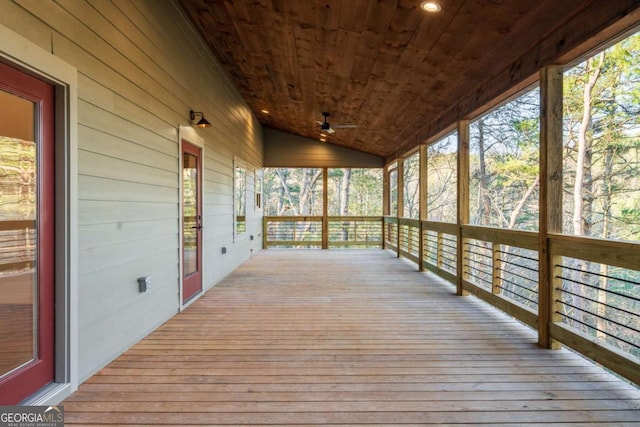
<point x="583" y="186"/>
<point x="284" y="192"/>
<point x="483" y="179"/>
<point x="344" y="202"/>
<point x="307" y="184"/>
<point x="583" y="164"/>
<point x="601" y="324"/>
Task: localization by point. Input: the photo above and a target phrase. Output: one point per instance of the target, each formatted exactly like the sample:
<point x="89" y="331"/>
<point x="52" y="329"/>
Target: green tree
<point x="504" y="164"/>
<point x="602" y="180"/>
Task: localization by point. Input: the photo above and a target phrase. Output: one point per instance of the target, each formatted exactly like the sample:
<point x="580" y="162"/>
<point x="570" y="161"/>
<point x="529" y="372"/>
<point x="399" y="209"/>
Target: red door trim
<point x="35" y="375"/>
<point x="192" y="284"/>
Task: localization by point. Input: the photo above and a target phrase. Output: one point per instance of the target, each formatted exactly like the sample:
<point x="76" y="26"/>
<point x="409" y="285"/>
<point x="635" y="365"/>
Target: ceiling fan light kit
<point x="326" y="127"/>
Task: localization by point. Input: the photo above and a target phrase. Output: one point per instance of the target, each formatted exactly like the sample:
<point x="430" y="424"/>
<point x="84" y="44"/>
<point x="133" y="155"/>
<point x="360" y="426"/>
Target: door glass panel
<point x="240" y="199"/>
<point x="190" y="212"/>
<point x="18" y="209"/>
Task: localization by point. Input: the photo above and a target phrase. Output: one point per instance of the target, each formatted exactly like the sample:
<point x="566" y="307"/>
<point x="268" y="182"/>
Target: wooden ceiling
<point x="398" y="73"/>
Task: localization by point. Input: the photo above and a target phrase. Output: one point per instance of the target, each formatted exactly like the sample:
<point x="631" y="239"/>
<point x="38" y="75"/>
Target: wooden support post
<point x="440" y="250"/>
<point x="463" y="199"/>
<point x="496" y="280"/>
<point x="386" y="194"/>
<point x="325" y="208"/>
<point x="265" y="234"/>
<point x="422" y="197"/>
<point x="400" y="192"/>
<point x="550" y="195"/>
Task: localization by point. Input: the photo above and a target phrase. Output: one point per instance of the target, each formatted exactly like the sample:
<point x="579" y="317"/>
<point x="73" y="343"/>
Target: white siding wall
<point x="141" y="68"/>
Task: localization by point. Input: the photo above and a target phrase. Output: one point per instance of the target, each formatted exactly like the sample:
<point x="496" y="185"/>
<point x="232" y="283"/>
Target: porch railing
<point x="595" y="288"/>
<point x="318" y="232"/>
<point x="595" y="285"/>
<point x="17" y="245"/>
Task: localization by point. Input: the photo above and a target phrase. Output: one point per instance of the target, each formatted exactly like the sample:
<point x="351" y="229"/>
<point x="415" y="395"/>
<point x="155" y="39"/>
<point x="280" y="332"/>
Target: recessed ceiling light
<point x="323" y="139"/>
<point x="430" y="6"/>
<point x="264" y="111"/>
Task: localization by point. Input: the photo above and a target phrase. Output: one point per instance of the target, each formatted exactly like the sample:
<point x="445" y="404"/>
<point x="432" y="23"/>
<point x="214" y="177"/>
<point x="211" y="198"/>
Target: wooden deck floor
<point x="346" y="338"/>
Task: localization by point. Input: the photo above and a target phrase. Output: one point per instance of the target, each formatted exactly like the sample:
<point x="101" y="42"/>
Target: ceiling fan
<point x="325" y="126"/>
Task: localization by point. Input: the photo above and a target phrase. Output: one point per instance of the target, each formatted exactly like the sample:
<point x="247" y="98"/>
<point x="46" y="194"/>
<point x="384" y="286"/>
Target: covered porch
<point x="346" y="337"/>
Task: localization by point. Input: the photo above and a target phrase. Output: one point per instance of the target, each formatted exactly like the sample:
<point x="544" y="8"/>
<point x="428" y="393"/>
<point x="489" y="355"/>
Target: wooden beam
<point x="422" y="197"/>
<point x="587" y="30"/>
<point x="550" y="216"/>
<point x="325" y="208"/>
<point x="463" y="199"/>
<point x="385" y="191"/>
<point x="607" y="355"/>
<point x="400" y="193"/>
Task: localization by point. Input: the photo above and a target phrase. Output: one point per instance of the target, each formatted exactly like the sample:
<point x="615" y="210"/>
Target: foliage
<point x="442" y="177"/>
<point x="393" y="190"/>
<point x="602" y="144"/>
<point x="504" y="165"/>
<point x="601" y="168"/>
<point x="292" y="191"/>
<point x="17" y="179"/>
<point x="355" y="192"/>
<point x="411" y="189"/>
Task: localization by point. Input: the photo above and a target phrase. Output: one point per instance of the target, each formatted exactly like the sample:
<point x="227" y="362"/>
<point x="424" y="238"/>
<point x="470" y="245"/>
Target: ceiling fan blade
<point x="320" y="123"/>
<point x="344" y="126"/>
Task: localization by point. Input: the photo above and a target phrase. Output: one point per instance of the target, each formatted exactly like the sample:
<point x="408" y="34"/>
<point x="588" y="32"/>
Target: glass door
<point x="191" y="221"/>
<point x="26" y="235"/>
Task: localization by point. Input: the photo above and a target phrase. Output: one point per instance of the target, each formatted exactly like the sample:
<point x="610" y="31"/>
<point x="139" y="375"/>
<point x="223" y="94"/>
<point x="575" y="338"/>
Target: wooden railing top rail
<point x="17" y="225"/>
<point x="441" y="227"/>
<point x="611" y="252"/>
<point x="371" y="218"/>
<point x="360" y="218"/>
<point x="293" y="218"/>
<point x="411" y="222"/>
<point x="518" y="238"/>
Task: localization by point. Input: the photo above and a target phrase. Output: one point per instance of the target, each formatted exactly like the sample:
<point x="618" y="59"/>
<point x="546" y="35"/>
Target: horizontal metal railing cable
<point x="611" y="291"/>
<point x="609" y="306"/>
<point x="615" y="337"/>
<point x="504" y="265"/>
<point x="535" y="302"/>
<point x="528" y="279"/>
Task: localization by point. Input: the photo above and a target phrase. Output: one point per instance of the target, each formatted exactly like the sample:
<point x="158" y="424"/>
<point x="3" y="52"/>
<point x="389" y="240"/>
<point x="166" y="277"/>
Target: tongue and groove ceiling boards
<point x="400" y="74"/>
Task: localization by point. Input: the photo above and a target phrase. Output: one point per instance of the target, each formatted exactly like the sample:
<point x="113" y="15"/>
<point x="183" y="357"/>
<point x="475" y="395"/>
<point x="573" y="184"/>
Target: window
<point x="240" y="198"/>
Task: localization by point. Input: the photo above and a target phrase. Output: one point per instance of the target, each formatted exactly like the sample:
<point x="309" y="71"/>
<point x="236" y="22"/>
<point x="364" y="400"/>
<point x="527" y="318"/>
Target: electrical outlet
<point x="144" y="283"/>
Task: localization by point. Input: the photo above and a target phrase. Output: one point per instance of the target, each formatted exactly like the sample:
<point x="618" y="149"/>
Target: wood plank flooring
<point x="352" y="338"/>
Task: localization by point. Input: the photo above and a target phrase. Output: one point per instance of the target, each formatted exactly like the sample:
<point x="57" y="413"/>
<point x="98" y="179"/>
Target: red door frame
<point x="192" y="284"/>
<point x="40" y="372"/>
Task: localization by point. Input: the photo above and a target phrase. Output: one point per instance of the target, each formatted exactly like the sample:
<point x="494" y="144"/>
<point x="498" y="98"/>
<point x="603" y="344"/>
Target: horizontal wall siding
<point x="141" y="68"/>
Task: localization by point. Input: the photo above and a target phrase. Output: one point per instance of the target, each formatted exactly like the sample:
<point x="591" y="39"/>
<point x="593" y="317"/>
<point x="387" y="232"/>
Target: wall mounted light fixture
<point x="203" y="123"/>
